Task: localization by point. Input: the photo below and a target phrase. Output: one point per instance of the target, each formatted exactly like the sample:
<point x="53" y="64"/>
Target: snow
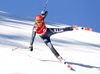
<point x="80" y="48"/>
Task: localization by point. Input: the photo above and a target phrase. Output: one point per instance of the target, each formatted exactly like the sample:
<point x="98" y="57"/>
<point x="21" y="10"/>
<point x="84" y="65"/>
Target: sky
<point x="85" y="13"/>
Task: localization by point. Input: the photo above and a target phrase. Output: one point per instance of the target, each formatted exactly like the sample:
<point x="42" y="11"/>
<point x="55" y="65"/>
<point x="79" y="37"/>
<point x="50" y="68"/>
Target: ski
<point x="61" y="60"/>
<point x="68" y="66"/>
<point x="82" y="28"/>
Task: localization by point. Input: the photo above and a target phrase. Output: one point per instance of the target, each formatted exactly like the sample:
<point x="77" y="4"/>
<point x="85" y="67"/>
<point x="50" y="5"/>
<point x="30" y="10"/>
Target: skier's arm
<point x="32" y="39"/>
<point x="33" y="36"/>
<point x="44" y="14"/>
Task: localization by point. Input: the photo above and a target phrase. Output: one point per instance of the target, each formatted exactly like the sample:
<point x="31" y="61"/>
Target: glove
<point x="43" y="12"/>
<point x="31" y="48"/>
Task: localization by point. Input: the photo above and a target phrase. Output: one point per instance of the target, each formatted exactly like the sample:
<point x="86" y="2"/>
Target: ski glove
<point x="31" y="48"/>
<point x="43" y="12"/>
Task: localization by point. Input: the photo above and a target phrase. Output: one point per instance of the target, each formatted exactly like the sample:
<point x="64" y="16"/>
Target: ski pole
<point x="46" y="5"/>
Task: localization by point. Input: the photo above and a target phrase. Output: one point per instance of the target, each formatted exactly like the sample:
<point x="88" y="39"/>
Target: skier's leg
<point x="49" y="44"/>
<point x="59" y="30"/>
<point x="68" y="29"/>
<point x="47" y="41"/>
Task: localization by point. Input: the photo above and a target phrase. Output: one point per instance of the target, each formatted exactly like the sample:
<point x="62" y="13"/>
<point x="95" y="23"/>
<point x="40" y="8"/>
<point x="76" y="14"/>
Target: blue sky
<point x="84" y="13"/>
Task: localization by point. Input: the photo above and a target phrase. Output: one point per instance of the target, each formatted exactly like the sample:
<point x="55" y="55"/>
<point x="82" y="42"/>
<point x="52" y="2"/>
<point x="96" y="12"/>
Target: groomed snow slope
<point x="81" y="49"/>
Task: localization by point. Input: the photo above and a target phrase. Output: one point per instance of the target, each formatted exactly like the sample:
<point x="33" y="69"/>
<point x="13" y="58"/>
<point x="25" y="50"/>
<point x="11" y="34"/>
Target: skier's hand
<point x="30" y="48"/>
<point x="44" y="12"/>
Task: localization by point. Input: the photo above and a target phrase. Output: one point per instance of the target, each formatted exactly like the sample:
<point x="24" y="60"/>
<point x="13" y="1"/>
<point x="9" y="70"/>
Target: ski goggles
<point x="39" y="22"/>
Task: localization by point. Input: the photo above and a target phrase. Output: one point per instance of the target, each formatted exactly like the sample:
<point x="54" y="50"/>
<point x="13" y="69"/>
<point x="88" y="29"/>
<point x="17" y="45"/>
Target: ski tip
<point x="70" y="68"/>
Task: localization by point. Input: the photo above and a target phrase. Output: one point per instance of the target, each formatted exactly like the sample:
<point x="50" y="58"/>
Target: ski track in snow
<point x="80" y="49"/>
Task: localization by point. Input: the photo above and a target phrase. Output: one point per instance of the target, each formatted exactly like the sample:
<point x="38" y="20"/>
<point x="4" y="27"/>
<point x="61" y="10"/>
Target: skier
<point x="45" y="33"/>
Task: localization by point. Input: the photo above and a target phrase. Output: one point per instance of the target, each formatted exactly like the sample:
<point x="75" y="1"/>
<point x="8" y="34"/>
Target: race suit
<point x="45" y="34"/>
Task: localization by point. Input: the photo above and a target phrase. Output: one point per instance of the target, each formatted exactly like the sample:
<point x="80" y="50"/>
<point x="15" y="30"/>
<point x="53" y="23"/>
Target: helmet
<point x="38" y="18"/>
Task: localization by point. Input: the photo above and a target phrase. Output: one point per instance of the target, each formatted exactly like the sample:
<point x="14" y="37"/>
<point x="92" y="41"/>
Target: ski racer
<point x="45" y="33"/>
